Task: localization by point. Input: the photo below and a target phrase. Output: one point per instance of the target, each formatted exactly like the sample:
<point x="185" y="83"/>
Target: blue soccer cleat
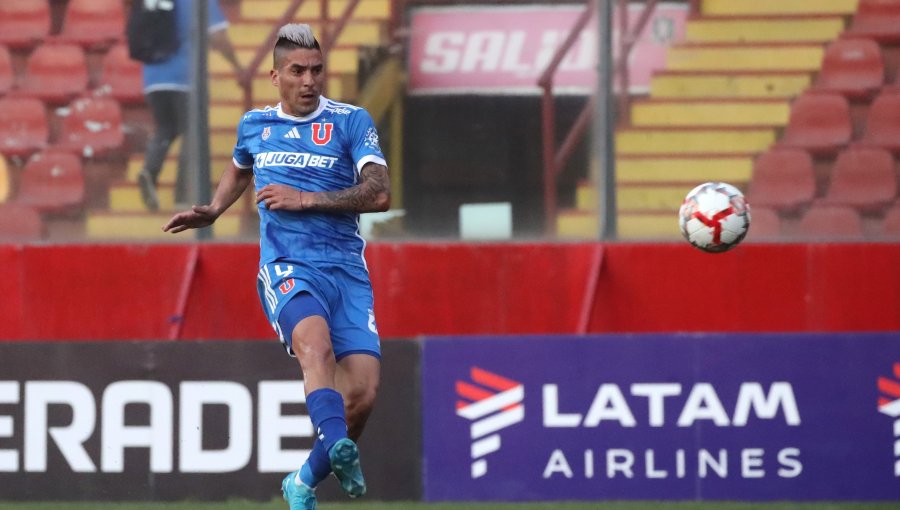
<point x="297" y="494"/>
<point x="344" y="458"/>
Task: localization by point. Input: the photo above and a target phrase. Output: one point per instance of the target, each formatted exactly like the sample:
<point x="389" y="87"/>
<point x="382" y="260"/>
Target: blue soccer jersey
<point x="323" y="151"/>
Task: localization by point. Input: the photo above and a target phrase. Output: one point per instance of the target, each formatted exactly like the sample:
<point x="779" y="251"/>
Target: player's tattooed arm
<point x="371" y="194"/>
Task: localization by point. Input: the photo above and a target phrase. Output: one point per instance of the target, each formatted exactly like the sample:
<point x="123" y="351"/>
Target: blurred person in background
<point x="168" y="80"/>
<point x="317" y="165"/>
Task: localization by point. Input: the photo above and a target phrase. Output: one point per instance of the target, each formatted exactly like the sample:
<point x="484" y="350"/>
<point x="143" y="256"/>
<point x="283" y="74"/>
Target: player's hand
<point x="279" y="196"/>
<point x="198" y="217"/>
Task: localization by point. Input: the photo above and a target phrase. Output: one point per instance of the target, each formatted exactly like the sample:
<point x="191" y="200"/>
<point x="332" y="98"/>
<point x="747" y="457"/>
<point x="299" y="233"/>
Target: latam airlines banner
<point x="707" y="417"/>
<point x="505" y="49"/>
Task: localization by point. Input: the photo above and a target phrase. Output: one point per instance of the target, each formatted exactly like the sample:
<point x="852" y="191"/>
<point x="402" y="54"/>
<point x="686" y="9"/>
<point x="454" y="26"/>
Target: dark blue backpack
<point x="152" y="30"/>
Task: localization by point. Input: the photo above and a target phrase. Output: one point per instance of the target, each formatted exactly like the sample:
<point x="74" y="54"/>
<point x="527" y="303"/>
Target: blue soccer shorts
<point x="344" y="293"/>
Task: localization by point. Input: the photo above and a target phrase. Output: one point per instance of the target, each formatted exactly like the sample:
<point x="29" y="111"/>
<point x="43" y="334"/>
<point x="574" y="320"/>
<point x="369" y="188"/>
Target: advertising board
<point x="182" y="420"/>
<point x="504" y="49"/>
<point x="662" y="417"/>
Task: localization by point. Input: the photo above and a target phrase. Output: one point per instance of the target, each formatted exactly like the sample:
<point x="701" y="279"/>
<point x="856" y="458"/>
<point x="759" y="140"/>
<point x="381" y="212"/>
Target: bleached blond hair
<point x="291" y="37"/>
<point x="299" y="34"/>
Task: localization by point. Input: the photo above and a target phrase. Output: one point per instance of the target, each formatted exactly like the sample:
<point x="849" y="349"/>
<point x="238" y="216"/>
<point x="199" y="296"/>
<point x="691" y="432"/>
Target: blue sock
<point x="326" y="410"/>
<point x="317" y="467"/>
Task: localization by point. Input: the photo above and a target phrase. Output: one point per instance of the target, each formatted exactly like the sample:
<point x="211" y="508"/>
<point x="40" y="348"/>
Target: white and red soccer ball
<point x="714" y="217"/>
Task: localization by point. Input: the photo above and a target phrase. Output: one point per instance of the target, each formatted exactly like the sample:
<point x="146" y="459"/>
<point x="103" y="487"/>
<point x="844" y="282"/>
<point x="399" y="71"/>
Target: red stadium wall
<point x="115" y="292"/>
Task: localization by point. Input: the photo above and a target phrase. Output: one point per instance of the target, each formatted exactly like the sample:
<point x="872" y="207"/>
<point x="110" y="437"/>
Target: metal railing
<point x="554" y="160"/>
<point x="627" y="41"/>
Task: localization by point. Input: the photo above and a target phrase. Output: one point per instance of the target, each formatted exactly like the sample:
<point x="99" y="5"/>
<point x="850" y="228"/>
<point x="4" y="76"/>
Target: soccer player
<point x="317" y="165"/>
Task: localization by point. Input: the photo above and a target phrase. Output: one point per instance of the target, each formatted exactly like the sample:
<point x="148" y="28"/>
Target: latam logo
<point x="889" y="404"/>
<point x="492" y="403"/>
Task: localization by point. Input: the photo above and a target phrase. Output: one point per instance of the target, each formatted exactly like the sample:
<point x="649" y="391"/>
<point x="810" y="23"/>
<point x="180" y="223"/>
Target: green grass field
<point x="279" y="505"/>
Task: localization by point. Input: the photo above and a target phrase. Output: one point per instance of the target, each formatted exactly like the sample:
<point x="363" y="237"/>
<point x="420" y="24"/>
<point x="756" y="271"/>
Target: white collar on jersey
<point x="323" y="102"/>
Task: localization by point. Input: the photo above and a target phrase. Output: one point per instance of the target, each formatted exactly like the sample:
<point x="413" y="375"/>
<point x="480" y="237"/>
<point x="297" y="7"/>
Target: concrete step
<point x="579" y="224"/>
<point x="695" y="168"/>
<point x="684" y="141"/>
<point x="311" y="10"/>
<point x="339" y="60"/>
<point x="743" y="57"/>
<point x="763" y="29"/>
<point x="777" y="7"/>
<point x="6" y="180"/>
<point x="656" y="198"/>
<point x="148" y="226"/>
<point x="224" y="87"/>
<point x="170" y="167"/>
<point x="226" y="114"/>
<point x="638" y="197"/>
<point x="710" y="112"/>
<point x="363" y="32"/>
<point x="674" y="85"/>
<point x="126" y="197"/>
<point x="221" y="142"/>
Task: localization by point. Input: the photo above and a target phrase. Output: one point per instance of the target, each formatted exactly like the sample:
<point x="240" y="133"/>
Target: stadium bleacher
<point x="52" y="182"/>
<point x="93" y="23"/>
<point x="20" y="223"/>
<point x="783" y="180"/>
<point x="25" y="129"/>
<point x="863" y="179"/>
<point x="24" y="23"/>
<point x="820" y="123"/>
<point x="7" y="76"/>
<point x="853" y="68"/>
<point x="794" y="91"/>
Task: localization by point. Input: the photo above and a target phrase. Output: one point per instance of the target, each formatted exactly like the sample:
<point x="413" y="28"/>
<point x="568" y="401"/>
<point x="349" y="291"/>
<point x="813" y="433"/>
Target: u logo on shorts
<point x="286" y="286"/>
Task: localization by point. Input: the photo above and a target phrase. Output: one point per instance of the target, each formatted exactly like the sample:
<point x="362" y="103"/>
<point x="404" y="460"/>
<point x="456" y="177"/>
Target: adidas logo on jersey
<point x="293" y="133"/>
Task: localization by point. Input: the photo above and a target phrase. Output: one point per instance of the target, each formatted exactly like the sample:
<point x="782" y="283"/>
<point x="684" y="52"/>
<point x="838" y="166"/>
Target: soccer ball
<point x="714" y="217"/>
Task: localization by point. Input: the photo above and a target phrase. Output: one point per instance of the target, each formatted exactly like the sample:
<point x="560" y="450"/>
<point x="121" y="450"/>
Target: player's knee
<point x="312" y="353"/>
<point x="311" y="342"/>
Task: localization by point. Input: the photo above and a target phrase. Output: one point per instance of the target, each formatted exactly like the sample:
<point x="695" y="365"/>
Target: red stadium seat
<point x="24" y="23"/>
<point x="863" y="179"/>
<point x="827" y="222"/>
<point x="819" y="123"/>
<point x="783" y="179"/>
<point x="24" y="128"/>
<point x="883" y="123"/>
<point x="765" y="224"/>
<point x="52" y="182"/>
<point x="56" y="73"/>
<point x="122" y="77"/>
<point x="890" y="227"/>
<point x="93" y="22"/>
<point x="7" y="75"/>
<point x="852" y="67"/>
<point x="878" y="20"/>
<point x="92" y="127"/>
<point x="19" y="223"/>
